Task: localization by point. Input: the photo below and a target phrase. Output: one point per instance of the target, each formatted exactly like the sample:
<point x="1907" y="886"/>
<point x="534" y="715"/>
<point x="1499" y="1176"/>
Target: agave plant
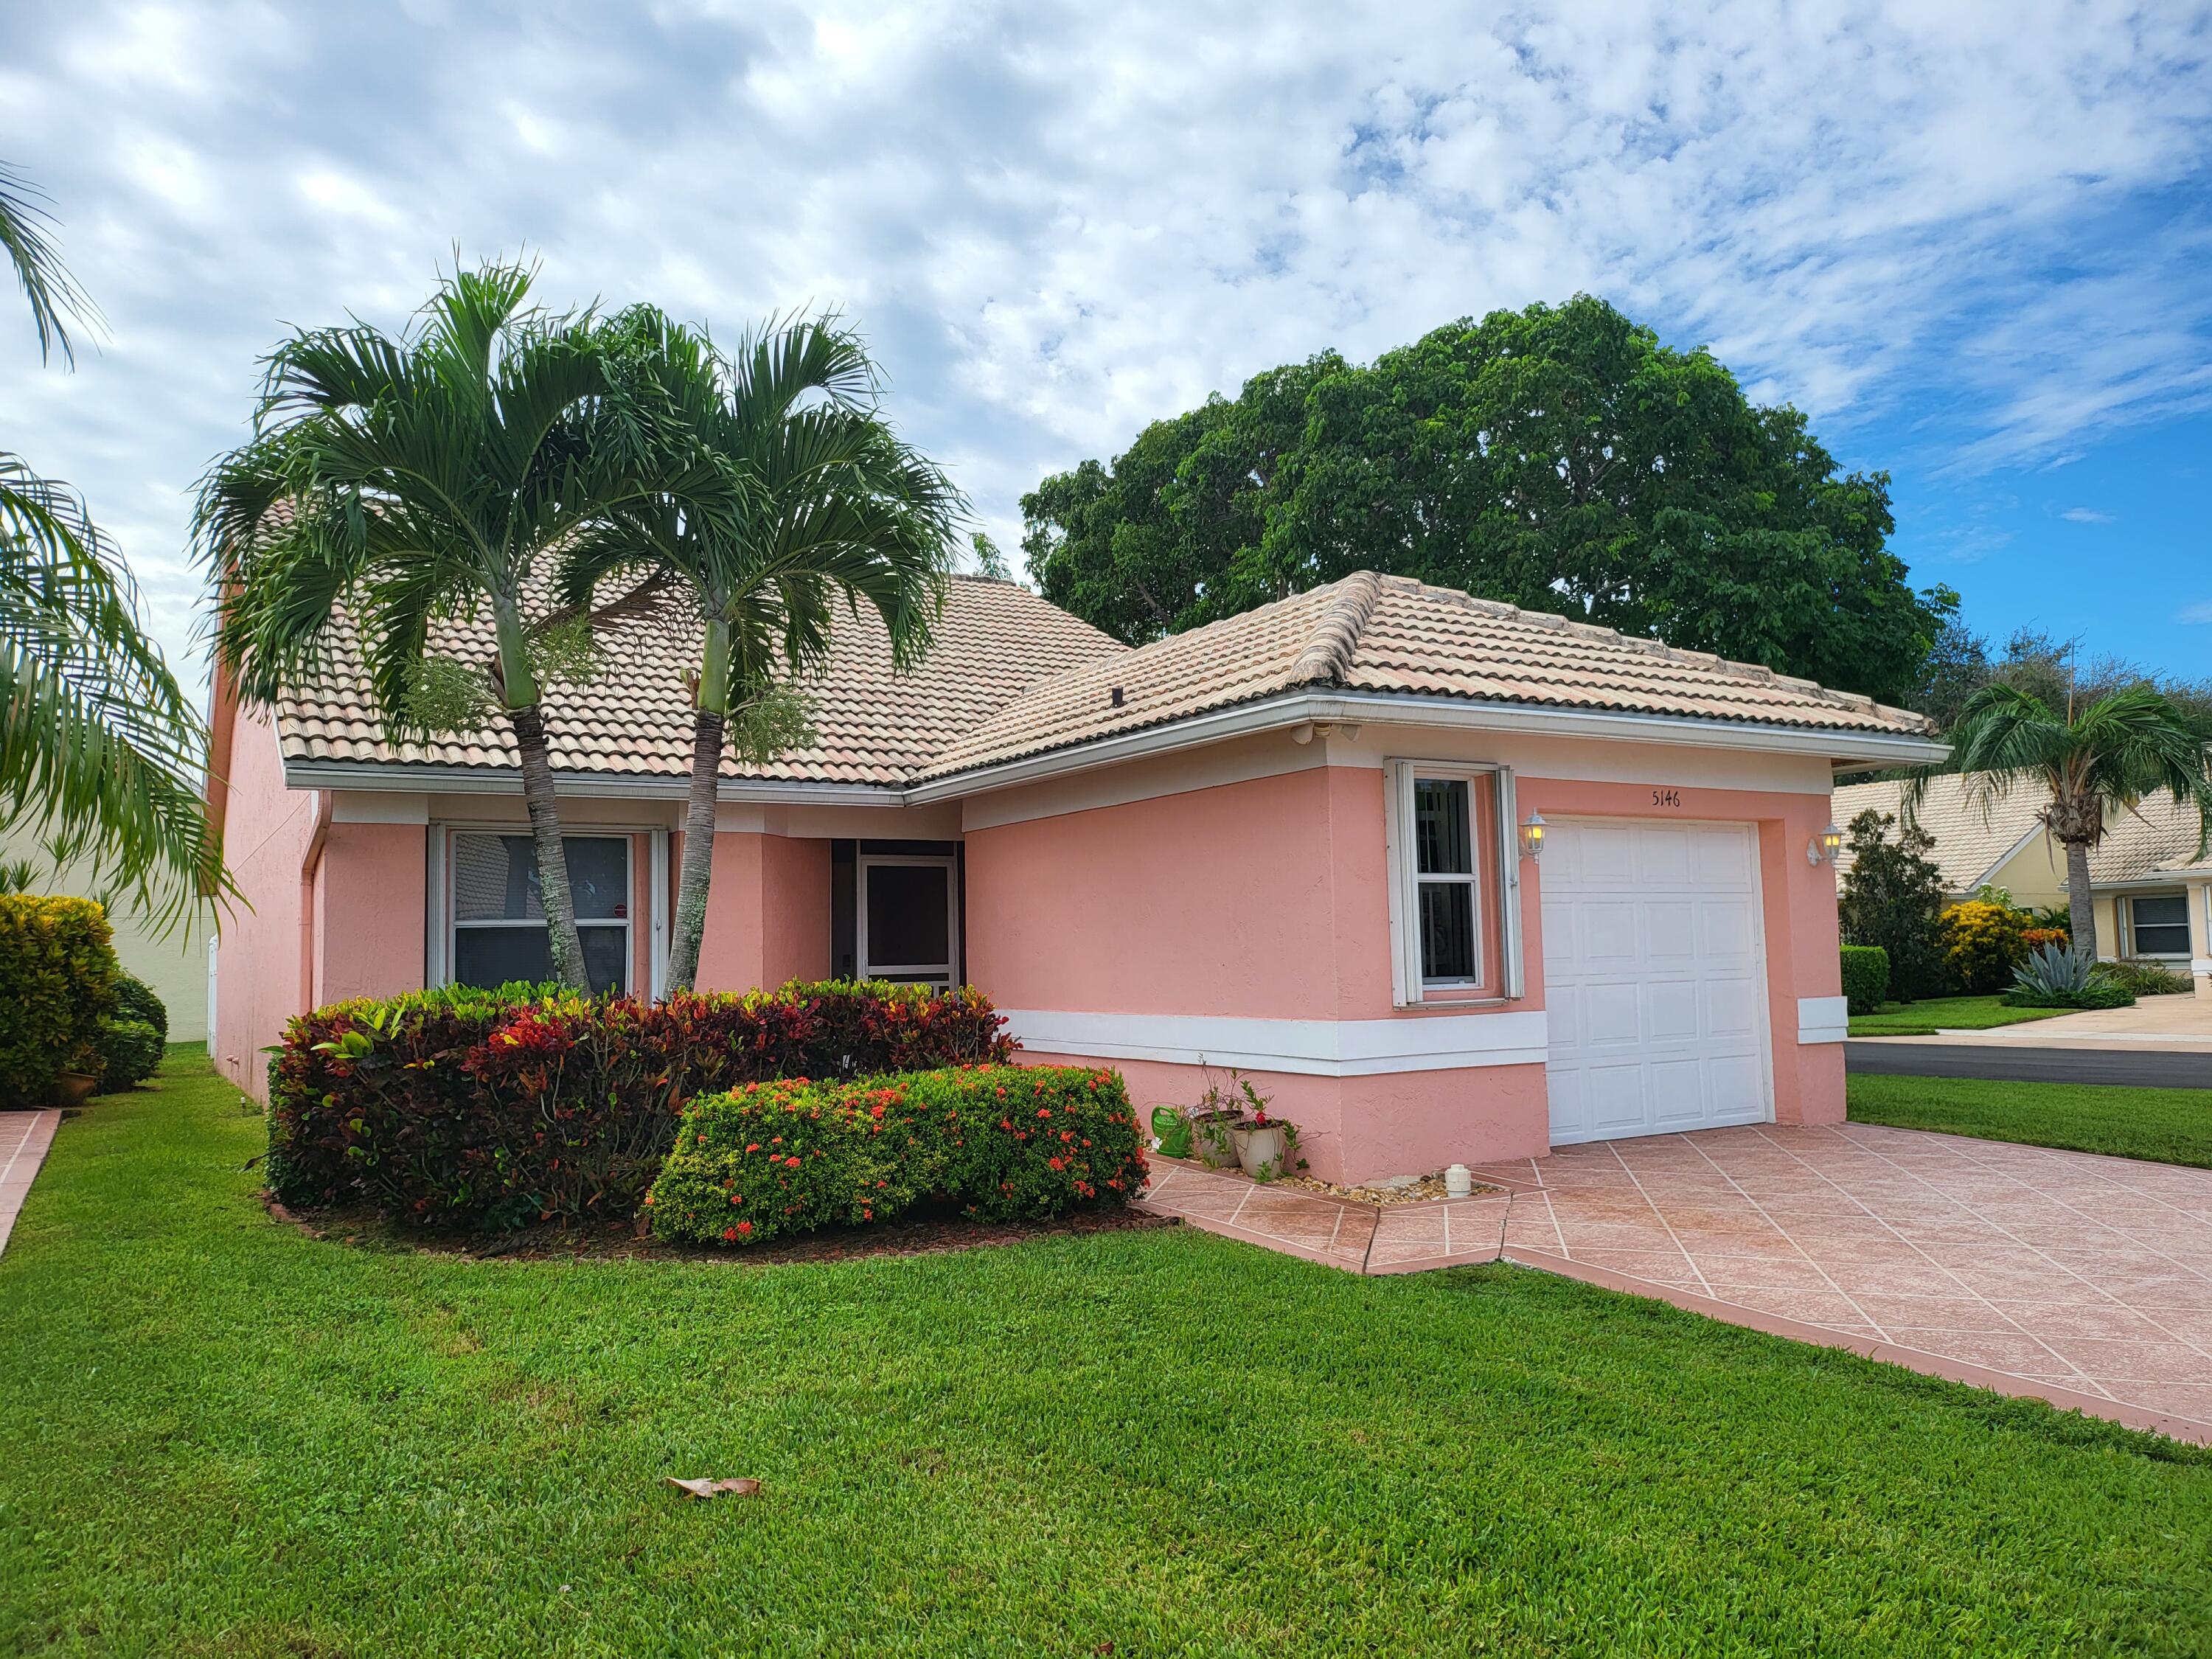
<point x="2056" y="971"/>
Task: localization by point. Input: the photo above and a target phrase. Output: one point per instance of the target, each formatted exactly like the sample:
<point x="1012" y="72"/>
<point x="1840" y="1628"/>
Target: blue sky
<point x="1969" y="239"/>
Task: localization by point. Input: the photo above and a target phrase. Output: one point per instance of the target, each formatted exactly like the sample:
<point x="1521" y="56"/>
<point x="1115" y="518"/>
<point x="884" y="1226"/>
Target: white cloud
<point x="2085" y="516"/>
<point x="1058" y="221"/>
<point x="2201" y="612"/>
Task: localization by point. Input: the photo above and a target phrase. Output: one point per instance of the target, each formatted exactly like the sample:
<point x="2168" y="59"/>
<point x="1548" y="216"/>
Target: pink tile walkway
<point x="2080" y="1280"/>
<point x="24" y="1138"/>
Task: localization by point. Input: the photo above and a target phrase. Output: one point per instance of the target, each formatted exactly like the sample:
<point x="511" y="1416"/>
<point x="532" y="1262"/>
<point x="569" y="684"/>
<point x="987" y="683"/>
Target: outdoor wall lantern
<point x="1532" y="835"/>
<point x="1823" y="848"/>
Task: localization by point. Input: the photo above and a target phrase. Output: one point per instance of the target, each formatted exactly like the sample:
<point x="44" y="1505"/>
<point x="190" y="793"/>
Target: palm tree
<point x="2087" y="767"/>
<point x="392" y="484"/>
<point x="97" y="743"/>
<point x="837" y="510"/>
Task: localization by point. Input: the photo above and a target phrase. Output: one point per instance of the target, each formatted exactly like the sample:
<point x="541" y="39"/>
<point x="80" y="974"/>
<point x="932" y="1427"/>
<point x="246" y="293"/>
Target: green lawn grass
<point x="2173" y="1125"/>
<point x="224" y="1436"/>
<point x="1945" y="1014"/>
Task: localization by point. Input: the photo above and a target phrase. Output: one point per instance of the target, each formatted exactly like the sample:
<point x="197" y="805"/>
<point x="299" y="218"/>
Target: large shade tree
<point x="100" y="747"/>
<point x="2085" y="764"/>
<point x="1558" y="458"/>
<point x="833" y="510"/>
<point x="396" y="482"/>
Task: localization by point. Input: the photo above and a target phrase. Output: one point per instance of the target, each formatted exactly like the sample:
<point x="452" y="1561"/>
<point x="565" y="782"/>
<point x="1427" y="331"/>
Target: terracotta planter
<point x="73" y="1088"/>
<point x="1213" y="1140"/>
<point x="1259" y="1147"/>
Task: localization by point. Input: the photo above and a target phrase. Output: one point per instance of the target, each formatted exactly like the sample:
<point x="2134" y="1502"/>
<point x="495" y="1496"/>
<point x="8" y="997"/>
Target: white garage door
<point x="1655" y="979"/>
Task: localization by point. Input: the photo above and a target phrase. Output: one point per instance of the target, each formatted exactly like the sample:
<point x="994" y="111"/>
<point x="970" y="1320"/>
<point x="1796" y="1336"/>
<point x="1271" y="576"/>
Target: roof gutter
<point x="410" y="778"/>
<point x="1383" y="708"/>
<point x="1279" y="713"/>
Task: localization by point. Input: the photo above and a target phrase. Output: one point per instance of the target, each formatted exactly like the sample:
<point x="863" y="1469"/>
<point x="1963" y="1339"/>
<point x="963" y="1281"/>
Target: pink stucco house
<point x="1297" y="843"/>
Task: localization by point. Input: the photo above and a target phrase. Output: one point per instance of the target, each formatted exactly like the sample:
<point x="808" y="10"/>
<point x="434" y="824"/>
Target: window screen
<point x="2160" y="924"/>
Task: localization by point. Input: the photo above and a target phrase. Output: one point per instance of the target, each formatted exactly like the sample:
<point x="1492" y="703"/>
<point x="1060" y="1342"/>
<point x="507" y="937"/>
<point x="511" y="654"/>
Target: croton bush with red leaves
<point x="492" y="1109"/>
<point x="999" y="1143"/>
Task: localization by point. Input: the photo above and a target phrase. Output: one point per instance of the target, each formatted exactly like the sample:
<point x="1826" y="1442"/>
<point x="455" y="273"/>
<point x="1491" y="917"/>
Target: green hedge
<point x="136" y="999"/>
<point x="1866" y="977"/>
<point x="496" y="1108"/>
<point x="57" y="973"/>
<point x="998" y="1142"/>
<point x="130" y="1052"/>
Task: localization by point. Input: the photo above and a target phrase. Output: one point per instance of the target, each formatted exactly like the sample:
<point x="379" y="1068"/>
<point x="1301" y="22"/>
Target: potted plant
<point x="1260" y="1146"/>
<point x="74" y="1086"/>
<point x="1214" y="1119"/>
<point x="1213" y="1138"/>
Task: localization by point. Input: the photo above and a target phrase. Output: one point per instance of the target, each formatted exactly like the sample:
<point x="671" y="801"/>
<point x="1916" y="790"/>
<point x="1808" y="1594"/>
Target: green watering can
<point x="1172" y="1130"/>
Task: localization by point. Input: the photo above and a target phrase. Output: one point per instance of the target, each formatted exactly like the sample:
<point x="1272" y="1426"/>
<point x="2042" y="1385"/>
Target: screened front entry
<point x="499" y="915"/>
<point x="909" y="922"/>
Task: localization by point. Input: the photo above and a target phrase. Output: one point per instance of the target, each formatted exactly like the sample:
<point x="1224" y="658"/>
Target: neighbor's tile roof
<point x="1374" y="632"/>
<point x="873" y="727"/>
<point x="1968" y="844"/>
<point x="1012" y="676"/>
<point x="2158" y="838"/>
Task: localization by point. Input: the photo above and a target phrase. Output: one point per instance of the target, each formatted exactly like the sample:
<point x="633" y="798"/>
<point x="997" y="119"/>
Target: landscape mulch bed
<point x="917" y="1235"/>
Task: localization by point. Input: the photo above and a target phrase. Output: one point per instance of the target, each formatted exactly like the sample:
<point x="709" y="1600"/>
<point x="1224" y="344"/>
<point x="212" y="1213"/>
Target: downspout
<point x="309" y="865"/>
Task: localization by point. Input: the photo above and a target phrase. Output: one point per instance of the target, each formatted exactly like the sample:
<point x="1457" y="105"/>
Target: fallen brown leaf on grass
<point x="736" y="1486"/>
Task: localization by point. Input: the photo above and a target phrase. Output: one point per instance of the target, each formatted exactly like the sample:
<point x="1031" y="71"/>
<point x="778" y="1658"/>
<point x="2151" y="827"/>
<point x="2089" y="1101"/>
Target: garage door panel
<point x="1570" y="1116"/>
<point x="1608" y="934"/>
<point x="1670" y="930"/>
<point x="1672" y="1008"/>
<point x="1662" y="857"/>
<point x="1678" y="1093"/>
<point x="1605" y="856"/>
<point x="1617" y="1098"/>
<point x="1739" y="1089"/>
<point x="1656" y="980"/>
<point x="1612" y="1015"/>
<point x="1725" y="932"/>
<point x="1732" y="1009"/>
<point x="1723" y="857"/>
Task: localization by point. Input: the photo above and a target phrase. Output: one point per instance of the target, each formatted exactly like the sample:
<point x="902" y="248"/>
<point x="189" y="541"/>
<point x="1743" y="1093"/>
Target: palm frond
<point x="46" y="284"/>
<point x="97" y="743"/>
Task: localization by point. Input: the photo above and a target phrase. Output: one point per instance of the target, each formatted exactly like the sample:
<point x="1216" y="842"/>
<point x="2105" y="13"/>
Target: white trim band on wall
<point x="1823" y="1019"/>
<point x="1311" y="1047"/>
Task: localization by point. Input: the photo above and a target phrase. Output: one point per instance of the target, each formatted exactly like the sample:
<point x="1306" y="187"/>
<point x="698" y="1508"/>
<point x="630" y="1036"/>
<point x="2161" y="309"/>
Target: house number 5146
<point x="1665" y="798"/>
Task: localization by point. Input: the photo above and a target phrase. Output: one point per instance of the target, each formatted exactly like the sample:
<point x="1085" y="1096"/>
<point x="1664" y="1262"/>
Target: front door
<point x="907" y="923"/>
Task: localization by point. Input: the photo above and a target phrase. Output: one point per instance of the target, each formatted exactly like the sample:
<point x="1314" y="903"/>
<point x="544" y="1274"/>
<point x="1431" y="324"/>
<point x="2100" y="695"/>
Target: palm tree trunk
<point x="709" y="722"/>
<point x="561" y="936"/>
<point x="698" y="867"/>
<point x="2081" y="913"/>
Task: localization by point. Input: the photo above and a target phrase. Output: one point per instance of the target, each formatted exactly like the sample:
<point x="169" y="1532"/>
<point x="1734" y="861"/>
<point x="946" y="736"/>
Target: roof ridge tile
<point x="1328" y="650"/>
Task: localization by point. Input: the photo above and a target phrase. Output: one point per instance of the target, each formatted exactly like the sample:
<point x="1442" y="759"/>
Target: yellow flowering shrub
<point x="1982" y="943"/>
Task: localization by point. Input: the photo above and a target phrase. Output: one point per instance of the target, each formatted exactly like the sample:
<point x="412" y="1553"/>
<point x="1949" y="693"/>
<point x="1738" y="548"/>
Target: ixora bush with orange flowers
<point x="999" y="1143"/>
<point x="493" y="1109"/>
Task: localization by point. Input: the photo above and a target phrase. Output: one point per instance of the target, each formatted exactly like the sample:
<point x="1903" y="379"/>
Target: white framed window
<point x="907" y="918"/>
<point x="495" y="930"/>
<point x="1454" y="882"/>
<point x="2158" y="925"/>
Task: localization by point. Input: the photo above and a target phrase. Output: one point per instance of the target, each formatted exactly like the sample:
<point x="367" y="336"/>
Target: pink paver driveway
<point x="2082" y="1279"/>
<point x="24" y="1138"/>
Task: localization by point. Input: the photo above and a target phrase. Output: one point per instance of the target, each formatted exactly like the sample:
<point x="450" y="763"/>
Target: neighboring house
<point x="177" y="964"/>
<point x="1294" y="843"/>
<point x="2153" y="895"/>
